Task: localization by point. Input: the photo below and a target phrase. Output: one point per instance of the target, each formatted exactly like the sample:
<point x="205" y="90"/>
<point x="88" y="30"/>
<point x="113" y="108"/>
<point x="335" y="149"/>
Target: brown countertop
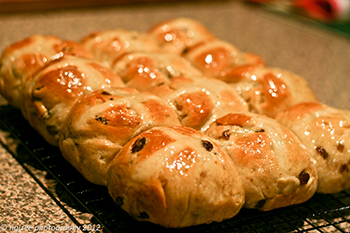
<point x="320" y="56"/>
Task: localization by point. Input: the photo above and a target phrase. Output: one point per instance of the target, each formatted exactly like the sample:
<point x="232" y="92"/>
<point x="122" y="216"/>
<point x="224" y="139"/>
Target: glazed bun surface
<point x="200" y="100"/>
<point x="222" y="59"/>
<point x="325" y="131"/>
<point x="102" y="122"/>
<point x="175" y="177"/>
<point x="109" y="45"/>
<point x="176" y="36"/>
<point x="270" y="90"/>
<point x="24" y="58"/>
<point x="274" y="165"/>
<point x="50" y="94"/>
<point x="144" y="71"/>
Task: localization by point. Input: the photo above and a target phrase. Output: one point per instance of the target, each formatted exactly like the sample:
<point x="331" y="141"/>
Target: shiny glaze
<point x="109" y="45"/>
<point x="63" y="84"/>
<point x="120" y="122"/>
<point x="181" y="34"/>
<point x="201" y="100"/>
<point x="69" y="78"/>
<point x="223" y="60"/>
<point x="165" y="168"/>
<point x="325" y="131"/>
<point x="20" y="61"/>
<point x="270" y="159"/>
<point x="102" y="122"/>
<point x="141" y="73"/>
<point x="275" y="91"/>
<point x="215" y="59"/>
<point x="254" y="151"/>
<point x="158" y="112"/>
<point x="270" y="90"/>
<point x="145" y="71"/>
<point x="195" y="108"/>
<point x="237" y="73"/>
<point x="233" y="119"/>
<point x="155" y="140"/>
<point x="50" y="94"/>
<point x="119" y="114"/>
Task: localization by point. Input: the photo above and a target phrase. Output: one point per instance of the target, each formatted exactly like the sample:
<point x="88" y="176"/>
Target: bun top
<point x="325" y="131"/>
<point x="23" y="59"/>
<point x="180" y="34"/>
<point x="270" y="90"/>
<point x="200" y="100"/>
<point x="176" y="177"/>
<point x="102" y="122"/>
<point x="222" y="59"/>
<point x="145" y="71"/>
<point x="274" y="165"/>
<point x="109" y="45"/>
<point x="50" y="94"/>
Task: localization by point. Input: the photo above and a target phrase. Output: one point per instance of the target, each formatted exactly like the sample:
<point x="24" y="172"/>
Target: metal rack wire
<point x="322" y="213"/>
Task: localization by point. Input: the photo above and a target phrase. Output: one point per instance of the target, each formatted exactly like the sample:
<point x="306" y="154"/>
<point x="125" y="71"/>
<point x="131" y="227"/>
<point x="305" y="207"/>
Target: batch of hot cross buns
<point x="182" y="127"/>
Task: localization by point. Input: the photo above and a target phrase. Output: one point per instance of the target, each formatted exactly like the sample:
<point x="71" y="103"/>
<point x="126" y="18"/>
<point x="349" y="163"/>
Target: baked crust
<point x="270" y="90"/>
<point x="325" y="131"/>
<point x="178" y="35"/>
<point x="175" y="177"/>
<point x="50" y="94"/>
<point x="26" y="57"/>
<point x="109" y="45"/>
<point x="200" y="100"/>
<point x="102" y="122"/>
<point x="145" y="71"/>
<point x="222" y="60"/>
<point x="274" y="165"/>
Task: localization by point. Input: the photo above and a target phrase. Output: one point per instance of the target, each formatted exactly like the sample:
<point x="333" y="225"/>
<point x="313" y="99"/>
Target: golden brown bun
<point x="109" y="45"/>
<point x="102" y="122"/>
<point x="199" y="100"/>
<point x="144" y="71"/>
<point x="175" y="177"/>
<point x="221" y="59"/>
<point x="178" y="35"/>
<point x="271" y="90"/>
<point x="325" y="131"/>
<point x="49" y="95"/>
<point x="26" y="57"/>
<point x="274" y="165"/>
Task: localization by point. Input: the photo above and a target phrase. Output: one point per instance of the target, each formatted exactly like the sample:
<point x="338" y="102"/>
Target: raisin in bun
<point x="274" y="165"/>
<point x="102" y="122"/>
<point x="325" y="131"/>
<point x="175" y="177"/>
<point x="221" y="59"/>
<point x="271" y="90"/>
<point x="49" y="95"/>
<point x="180" y="34"/>
<point x="109" y="45"/>
<point x="144" y="71"/>
<point x="26" y="57"/>
<point x="200" y="100"/>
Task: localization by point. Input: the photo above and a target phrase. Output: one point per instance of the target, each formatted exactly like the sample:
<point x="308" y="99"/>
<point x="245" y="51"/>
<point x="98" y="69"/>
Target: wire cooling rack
<point x="322" y="213"/>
